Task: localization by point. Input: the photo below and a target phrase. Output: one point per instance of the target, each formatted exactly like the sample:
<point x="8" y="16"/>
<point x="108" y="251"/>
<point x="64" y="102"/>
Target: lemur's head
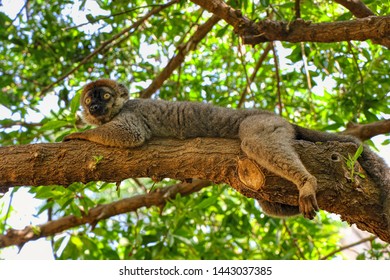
<point x="102" y="100"/>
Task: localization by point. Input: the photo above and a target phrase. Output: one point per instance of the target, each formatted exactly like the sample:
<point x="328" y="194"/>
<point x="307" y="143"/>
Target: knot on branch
<point x="250" y="174"/>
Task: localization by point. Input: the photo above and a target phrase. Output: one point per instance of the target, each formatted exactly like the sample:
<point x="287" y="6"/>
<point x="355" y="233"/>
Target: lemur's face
<point x="102" y="100"/>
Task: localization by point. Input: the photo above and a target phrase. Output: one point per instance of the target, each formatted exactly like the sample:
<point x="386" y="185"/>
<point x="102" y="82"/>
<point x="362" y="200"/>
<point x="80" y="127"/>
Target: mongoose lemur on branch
<point x="265" y="137"/>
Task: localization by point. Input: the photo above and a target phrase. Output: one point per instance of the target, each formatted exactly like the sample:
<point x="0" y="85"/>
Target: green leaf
<point x="75" y="103"/>
<point x="386" y="142"/>
<point x="53" y="125"/>
<point x="264" y="3"/>
<point x="358" y="152"/>
<point x="337" y="119"/>
<point x="206" y="203"/>
<point x="90" y="18"/>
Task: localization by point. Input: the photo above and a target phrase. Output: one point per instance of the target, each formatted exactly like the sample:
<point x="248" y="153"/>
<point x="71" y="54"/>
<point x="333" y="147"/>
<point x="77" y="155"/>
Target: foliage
<point x="44" y="61"/>
<point x="351" y="162"/>
<point x="216" y="223"/>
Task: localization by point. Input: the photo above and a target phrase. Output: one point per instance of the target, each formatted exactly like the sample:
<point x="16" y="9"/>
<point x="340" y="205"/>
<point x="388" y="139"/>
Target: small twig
<point x="244" y="65"/>
<point x="294" y="240"/>
<point x="254" y="73"/>
<point x="277" y="76"/>
<point x="108" y="43"/>
<point x="105" y="211"/>
<point x="19" y="123"/>
<point x="308" y="77"/>
<point x="178" y="59"/>
<point x="9" y="207"/>
<point x="306" y="67"/>
<point x="368" y="239"/>
<point x="25" y="6"/>
<point x="297" y="9"/>
<point x="355" y="60"/>
<point x="112" y="16"/>
<point x="192" y="25"/>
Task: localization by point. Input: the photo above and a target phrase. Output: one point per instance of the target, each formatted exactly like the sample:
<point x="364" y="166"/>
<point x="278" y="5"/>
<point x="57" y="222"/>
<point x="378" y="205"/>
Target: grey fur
<point x="265" y="137"/>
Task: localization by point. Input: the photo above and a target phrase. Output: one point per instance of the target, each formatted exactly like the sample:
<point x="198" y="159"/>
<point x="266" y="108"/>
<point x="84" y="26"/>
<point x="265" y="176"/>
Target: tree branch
<point x="254" y="73"/>
<point x="367" y="131"/>
<point x="10" y="123"/>
<point x="178" y="59"/>
<point x="109" y="43"/>
<point x="242" y="25"/>
<point x="328" y="32"/>
<point x="105" y="211"/>
<point x="277" y="79"/>
<point x="297" y="9"/>
<point x="299" y="30"/>
<point x="360" y="10"/>
<point x="357" y="8"/>
<point x="345" y="247"/>
<point x="357" y="200"/>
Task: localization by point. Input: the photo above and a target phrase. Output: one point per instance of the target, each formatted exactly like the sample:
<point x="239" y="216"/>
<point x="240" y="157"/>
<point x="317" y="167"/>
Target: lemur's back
<point x="188" y="119"/>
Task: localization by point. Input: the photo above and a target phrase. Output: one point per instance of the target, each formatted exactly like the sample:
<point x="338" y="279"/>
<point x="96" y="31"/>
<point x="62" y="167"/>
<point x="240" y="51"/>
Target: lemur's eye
<point x="107" y="96"/>
<point x="88" y="100"/>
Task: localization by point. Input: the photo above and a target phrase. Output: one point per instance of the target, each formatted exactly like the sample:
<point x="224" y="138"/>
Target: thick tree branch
<point x="357" y="8"/>
<point x="299" y="30"/>
<point x="105" y="211"/>
<point x="178" y="59"/>
<point x="357" y="200"/>
<point x="360" y="10"/>
<point x="367" y="131"/>
<point x="242" y="25"/>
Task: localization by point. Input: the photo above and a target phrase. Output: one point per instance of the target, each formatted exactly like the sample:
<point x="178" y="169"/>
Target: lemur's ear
<point x="123" y="90"/>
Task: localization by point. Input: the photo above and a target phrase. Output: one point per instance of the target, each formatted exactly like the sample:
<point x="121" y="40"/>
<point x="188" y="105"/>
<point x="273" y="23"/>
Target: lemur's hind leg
<point x="267" y="139"/>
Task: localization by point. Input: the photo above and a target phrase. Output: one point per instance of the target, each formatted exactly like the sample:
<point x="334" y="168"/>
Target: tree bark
<point x="360" y="10"/>
<point x="367" y="131"/>
<point x="357" y="8"/>
<point x="298" y="31"/>
<point x="357" y="200"/>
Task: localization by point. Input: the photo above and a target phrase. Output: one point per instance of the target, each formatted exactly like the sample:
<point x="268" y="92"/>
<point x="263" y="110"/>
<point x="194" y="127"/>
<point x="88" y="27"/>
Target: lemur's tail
<point x="302" y="133"/>
<point x="373" y="164"/>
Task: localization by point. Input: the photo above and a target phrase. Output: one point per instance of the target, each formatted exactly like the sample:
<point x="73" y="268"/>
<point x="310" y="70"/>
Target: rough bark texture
<point x="356" y="7"/>
<point x="303" y="31"/>
<point x="357" y="200"/>
<point x="367" y="131"/>
<point x="376" y="28"/>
